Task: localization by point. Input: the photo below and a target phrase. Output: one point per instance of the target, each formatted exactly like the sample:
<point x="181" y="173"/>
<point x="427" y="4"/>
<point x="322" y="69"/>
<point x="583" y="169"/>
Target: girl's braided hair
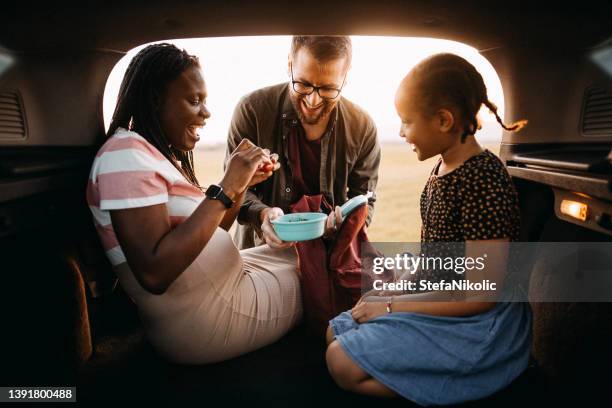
<point x="447" y="79"/>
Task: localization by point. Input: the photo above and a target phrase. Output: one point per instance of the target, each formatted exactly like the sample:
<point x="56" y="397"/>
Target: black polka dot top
<point x="476" y="201"/>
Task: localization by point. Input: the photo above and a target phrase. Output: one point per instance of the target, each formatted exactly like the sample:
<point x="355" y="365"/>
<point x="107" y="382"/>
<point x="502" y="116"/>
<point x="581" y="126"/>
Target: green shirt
<point x="350" y="155"/>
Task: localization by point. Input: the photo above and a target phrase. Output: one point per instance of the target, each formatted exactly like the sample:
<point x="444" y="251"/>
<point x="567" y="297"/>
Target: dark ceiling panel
<point x="28" y="26"/>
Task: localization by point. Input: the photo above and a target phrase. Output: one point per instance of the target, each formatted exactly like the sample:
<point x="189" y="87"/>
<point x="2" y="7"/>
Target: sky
<point x="235" y="66"/>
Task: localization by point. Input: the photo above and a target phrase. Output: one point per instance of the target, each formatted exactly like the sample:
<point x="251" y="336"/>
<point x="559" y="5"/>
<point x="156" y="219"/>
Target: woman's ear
<point x="446" y="120"/>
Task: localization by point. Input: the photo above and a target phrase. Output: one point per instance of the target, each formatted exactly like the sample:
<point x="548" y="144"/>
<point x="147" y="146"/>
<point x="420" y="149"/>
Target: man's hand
<point x="365" y="311"/>
<point x="269" y="235"/>
<point x="334" y="220"/>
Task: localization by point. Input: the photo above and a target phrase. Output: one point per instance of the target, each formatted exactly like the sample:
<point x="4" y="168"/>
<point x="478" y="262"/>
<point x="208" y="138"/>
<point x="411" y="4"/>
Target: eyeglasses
<point x="324" y="92"/>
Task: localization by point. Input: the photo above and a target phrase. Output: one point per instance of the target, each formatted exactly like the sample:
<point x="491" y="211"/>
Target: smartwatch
<point x="215" y="192"/>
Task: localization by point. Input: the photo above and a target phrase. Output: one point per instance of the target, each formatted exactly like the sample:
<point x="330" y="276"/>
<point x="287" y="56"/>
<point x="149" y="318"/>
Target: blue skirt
<point x="435" y="360"/>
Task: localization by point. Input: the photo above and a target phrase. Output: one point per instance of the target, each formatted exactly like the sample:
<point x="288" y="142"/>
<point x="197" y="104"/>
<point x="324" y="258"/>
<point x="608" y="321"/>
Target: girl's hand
<point x="364" y="311"/>
<point x="371" y="292"/>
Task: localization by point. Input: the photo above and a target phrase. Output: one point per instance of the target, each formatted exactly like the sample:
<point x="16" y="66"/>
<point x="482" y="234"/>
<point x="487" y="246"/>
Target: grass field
<point x="401" y="178"/>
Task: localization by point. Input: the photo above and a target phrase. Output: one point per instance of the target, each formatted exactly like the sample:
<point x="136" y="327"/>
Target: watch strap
<point x="216" y="192"/>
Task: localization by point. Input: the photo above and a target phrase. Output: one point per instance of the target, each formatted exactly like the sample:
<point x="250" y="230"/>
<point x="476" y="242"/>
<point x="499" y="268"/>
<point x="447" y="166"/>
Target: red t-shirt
<point x="305" y="157"/>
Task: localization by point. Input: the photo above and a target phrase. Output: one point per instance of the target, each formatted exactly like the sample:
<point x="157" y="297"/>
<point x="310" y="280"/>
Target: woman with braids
<point x="199" y="298"/>
<point x="426" y="347"/>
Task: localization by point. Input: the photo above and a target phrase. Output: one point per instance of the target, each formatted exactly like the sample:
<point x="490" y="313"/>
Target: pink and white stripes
<point x="129" y="172"/>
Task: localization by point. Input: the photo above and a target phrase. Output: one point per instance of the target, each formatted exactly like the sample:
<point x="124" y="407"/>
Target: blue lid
<point x="352" y="204"/>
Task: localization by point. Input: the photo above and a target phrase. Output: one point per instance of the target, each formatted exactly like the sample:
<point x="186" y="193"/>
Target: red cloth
<point x="331" y="278"/>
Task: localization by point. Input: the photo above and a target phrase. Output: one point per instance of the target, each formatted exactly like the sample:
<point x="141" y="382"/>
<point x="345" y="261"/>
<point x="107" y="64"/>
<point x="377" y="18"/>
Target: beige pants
<point x="226" y="303"/>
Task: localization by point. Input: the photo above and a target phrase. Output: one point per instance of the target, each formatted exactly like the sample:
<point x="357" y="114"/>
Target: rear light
<point x="574" y="209"/>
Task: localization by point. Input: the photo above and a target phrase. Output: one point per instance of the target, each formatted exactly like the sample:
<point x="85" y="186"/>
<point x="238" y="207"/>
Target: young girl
<point x="441" y="352"/>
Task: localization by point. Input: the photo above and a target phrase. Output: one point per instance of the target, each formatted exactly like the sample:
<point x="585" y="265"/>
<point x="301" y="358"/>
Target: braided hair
<point x="447" y="79"/>
<point x="142" y="88"/>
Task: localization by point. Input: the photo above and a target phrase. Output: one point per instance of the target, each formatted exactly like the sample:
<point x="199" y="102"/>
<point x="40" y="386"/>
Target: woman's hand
<point x="265" y="169"/>
<point x="365" y="311"/>
<point x="242" y="167"/>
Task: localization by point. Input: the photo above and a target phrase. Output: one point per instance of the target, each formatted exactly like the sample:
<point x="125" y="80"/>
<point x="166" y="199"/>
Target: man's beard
<point x="296" y="101"/>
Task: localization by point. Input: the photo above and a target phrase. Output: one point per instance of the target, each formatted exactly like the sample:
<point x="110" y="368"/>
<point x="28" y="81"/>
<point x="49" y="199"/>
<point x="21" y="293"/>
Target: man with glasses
<point x="326" y="144"/>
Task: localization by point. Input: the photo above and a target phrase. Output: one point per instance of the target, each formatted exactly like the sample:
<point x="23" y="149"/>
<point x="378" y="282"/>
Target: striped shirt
<point x="129" y="172"/>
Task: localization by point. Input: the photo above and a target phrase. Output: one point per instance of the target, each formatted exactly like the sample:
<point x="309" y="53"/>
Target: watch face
<point x="216" y="192"/>
<point x="213" y="190"/>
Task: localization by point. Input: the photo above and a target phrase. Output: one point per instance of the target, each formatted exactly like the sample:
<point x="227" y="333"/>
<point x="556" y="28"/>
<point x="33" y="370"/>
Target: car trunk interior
<point x="67" y="320"/>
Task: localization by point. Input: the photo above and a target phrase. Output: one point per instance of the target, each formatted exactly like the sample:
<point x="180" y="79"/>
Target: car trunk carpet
<point x="124" y="367"/>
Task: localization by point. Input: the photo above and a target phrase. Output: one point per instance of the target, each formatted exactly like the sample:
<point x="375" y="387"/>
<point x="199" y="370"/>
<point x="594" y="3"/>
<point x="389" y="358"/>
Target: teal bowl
<point x="300" y="226"/>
